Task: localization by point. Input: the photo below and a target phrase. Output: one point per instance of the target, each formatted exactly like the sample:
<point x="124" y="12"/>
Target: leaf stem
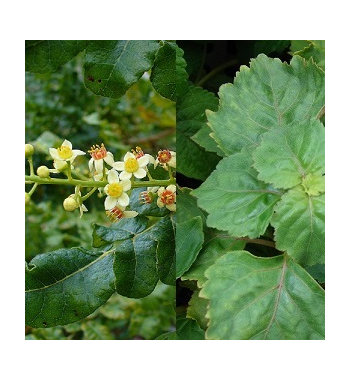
<point x="258" y="241"/>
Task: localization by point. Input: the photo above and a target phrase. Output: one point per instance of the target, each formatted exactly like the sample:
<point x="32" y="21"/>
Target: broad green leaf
<point x="187" y="207"/>
<point x="189" y="240"/>
<point x="111" y="67"/>
<point x="145" y="258"/>
<point x="163" y="76"/>
<point x="288" y="154"/>
<point x="66" y="285"/>
<point x="235" y="199"/>
<point x="266" y="95"/>
<point x="299" y="223"/>
<point x="194" y="161"/>
<point x="204" y="137"/>
<point x="215" y="246"/>
<point x="314" y="49"/>
<point x="270" y="46"/>
<point x="167" y="336"/>
<point x="188" y="329"/>
<point x="44" y="56"/>
<point x="197" y="308"/>
<point x="182" y="85"/>
<point x="252" y="298"/>
<point x="317" y="271"/>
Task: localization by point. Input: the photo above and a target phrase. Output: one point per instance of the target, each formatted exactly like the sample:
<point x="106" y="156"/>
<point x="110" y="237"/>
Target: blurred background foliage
<point x="58" y="107"/>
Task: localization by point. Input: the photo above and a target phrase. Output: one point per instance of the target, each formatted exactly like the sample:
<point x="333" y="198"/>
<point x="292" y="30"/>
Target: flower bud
<point x="29" y="149"/>
<point x="70" y="204"/>
<point x="43" y="171"/>
<point x="27" y="198"/>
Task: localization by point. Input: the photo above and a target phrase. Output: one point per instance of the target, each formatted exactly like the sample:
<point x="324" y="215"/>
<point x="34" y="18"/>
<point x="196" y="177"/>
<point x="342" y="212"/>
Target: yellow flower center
<point x="64" y="152"/>
<point x="131" y="165"/>
<point x="115" y="190"/>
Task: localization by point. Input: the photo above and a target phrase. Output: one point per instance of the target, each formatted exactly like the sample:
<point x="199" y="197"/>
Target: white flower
<point x="167" y="197"/>
<point x="64" y="153"/>
<point x="98" y="156"/>
<point x="132" y="166"/>
<point x="82" y="207"/>
<point x="119" y="212"/>
<point x="115" y="191"/>
<point x="165" y="158"/>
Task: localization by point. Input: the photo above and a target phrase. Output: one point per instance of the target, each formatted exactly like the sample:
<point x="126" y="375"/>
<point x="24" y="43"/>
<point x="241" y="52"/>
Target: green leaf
<point x="270" y="46"/>
<point x="204" y="137"/>
<point x="163" y="76"/>
<point x="189" y="240"/>
<point x="215" y="246"/>
<point x="314" y="49"/>
<point x="266" y="95"/>
<point x="299" y="223"/>
<point x="235" y="199"/>
<point x="144" y="258"/>
<point x="197" y="308"/>
<point x="253" y="298"/>
<point x="194" y="161"/>
<point x="187" y="207"/>
<point x="111" y="67"/>
<point x="167" y="336"/>
<point x="188" y="329"/>
<point x="44" y="56"/>
<point x="317" y="271"/>
<point x="288" y="154"/>
<point x="67" y="285"/>
<point x="182" y="85"/>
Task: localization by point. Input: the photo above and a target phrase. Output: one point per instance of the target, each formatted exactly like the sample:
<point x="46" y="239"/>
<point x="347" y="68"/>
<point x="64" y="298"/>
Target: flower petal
<point x="160" y="191"/>
<point x="54" y="153"/>
<point x="171" y="188"/>
<point x="77" y="152"/>
<point x="126" y="184"/>
<point x="99" y="165"/>
<point x="171" y="207"/>
<point x="129" y="155"/>
<point x="140" y="173"/>
<point x="113" y="176"/>
<point x="125" y="175"/>
<point x="123" y="200"/>
<point x="109" y="159"/>
<point x="160" y="203"/>
<point x="143" y="161"/>
<point x="130" y="214"/>
<point x="119" y="165"/>
<point x="110" y="202"/>
<point x="91" y="164"/>
<point x="67" y="143"/>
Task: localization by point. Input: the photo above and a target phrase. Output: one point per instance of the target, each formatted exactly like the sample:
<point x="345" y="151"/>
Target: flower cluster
<point x="115" y="179"/>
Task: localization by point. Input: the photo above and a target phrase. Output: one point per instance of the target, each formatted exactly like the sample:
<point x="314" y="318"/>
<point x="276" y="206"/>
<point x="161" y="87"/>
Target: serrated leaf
<point x="314" y="49"/>
<point x="288" y="154"/>
<point x="67" y="285"/>
<point x="197" y="308"/>
<point x="182" y="85"/>
<point x="194" y="161"/>
<point x="111" y="67"/>
<point x="235" y="199"/>
<point x="188" y="329"/>
<point x="189" y="240"/>
<point x="163" y="76"/>
<point x="44" y="56"/>
<point x="187" y="207"/>
<point x="145" y="258"/>
<point x="266" y="95"/>
<point x="215" y="246"/>
<point x="270" y="46"/>
<point x="299" y="223"/>
<point x="253" y="298"/>
<point x="204" y="137"/>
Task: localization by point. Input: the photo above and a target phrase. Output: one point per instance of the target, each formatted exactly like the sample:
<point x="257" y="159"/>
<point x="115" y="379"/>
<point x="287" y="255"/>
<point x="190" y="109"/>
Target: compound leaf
<point x="44" y="56"/>
<point x="299" y="223"/>
<point x="111" y="67"/>
<point x="253" y="298"/>
<point x="268" y="94"/>
<point x="67" y="285"/>
<point x="288" y="154"/>
<point x="235" y="199"/>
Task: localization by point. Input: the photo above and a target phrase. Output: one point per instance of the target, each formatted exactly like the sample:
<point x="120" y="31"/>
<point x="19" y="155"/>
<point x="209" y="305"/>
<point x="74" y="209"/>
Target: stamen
<point x="98" y="152"/>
